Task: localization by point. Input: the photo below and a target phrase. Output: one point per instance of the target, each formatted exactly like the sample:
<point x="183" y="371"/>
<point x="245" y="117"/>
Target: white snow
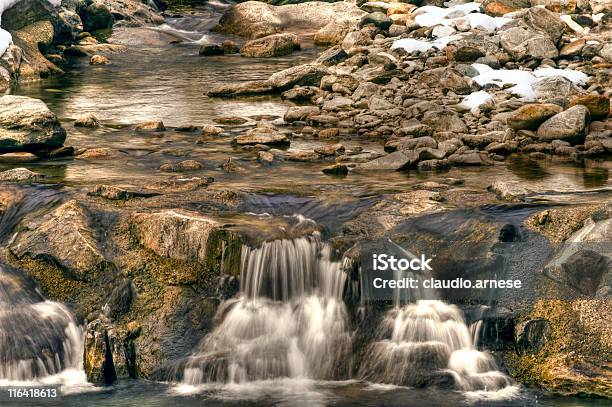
<point x="410" y="44"/>
<point x="5" y="37"/>
<point x="429" y="16"/>
<point x="523" y="81"/>
<point x="475" y="100"/>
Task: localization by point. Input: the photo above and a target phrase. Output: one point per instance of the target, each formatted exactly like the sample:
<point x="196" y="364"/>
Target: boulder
<point x="571" y="125"/>
<point x="555" y="89"/>
<point x="19" y="175"/>
<point x="28" y="125"/>
<point x="27" y="12"/>
<point x="333" y="33"/>
<point x="397" y="161"/>
<point x="253" y="19"/>
<point x="444" y="120"/>
<point x="301" y="75"/>
<point x="469" y="159"/>
<point x="153" y="126"/>
<point x="598" y="105"/>
<point x="96" y="16"/>
<point x="270" y="46"/>
<point x="542" y="20"/>
<point x="299" y="113"/>
<point x="521" y="43"/>
<point x="182" y="235"/>
<point x="529" y="117"/>
<point x="87" y="121"/>
<point x="65" y="237"/>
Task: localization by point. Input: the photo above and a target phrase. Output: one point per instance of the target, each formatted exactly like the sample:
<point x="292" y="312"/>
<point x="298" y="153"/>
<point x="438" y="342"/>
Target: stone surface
<point x="570" y="125"/>
<point x="270" y="46"/>
<point x="598" y="105"/>
<point x="28" y="125"/>
<point x="529" y="117"/>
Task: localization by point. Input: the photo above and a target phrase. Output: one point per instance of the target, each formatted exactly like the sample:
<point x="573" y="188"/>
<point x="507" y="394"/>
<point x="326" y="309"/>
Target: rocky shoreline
<point x="435" y="88"/>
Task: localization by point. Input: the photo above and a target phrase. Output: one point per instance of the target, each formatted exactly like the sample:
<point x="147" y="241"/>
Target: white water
<point x="288" y="322"/>
<point x="40" y="341"/>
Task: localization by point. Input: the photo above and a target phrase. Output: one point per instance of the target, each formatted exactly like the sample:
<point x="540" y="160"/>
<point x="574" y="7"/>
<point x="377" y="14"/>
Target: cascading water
<point x="428" y="343"/>
<point x="38" y="338"/>
<point x="288" y="322"/>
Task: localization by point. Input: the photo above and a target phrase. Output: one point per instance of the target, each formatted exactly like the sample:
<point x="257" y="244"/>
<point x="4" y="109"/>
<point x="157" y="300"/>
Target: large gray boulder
<point x="302" y="75"/>
<point x="254" y="19"/>
<point x="571" y="125"/>
<point x="522" y="43"/>
<point x="28" y="125"/>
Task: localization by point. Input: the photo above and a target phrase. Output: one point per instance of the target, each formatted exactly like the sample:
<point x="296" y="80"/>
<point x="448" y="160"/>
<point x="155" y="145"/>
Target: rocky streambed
<point x="133" y="182"/>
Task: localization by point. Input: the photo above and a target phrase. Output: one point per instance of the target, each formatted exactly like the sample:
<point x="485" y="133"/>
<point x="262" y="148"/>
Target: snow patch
<point x="411" y="45"/>
<point x="429" y="16"/>
<point x="475" y="100"/>
<point x="523" y="81"/>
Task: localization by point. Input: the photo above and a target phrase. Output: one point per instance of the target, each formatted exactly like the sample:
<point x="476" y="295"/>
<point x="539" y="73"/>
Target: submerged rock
<point x="20" y="175"/>
<point x="28" y="125"/>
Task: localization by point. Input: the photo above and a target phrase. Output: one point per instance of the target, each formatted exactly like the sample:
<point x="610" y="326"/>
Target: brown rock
<point x="529" y="117"/>
<point x="598" y="105"/>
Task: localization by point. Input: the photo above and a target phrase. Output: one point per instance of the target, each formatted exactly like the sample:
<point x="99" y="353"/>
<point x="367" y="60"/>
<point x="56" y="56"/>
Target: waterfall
<point x="423" y="341"/>
<point x="289" y="320"/>
<point x="38" y="338"/>
<point x="429" y="343"/>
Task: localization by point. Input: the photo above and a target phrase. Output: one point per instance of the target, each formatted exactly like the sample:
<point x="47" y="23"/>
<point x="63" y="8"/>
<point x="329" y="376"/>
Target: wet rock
<point x="101" y="153"/>
<point x="529" y="117"/>
<point x="419" y="202"/>
<point x="27" y="125"/>
<point x="570" y="125"/>
<point x="110" y="352"/>
<point x="301" y="75"/>
<point x="270" y="46"/>
<point x="89" y="121"/>
<point x="300" y="113"/>
<point x="99" y="60"/>
<point x="265" y="157"/>
<point x="154" y="126"/>
<point x="210" y="130"/>
<point x="241" y="89"/>
<point x="96" y="16"/>
<point x="397" y="161"/>
<point x="22" y="175"/>
<point x="336" y="169"/>
<point x="333" y="132"/>
<point x="533" y="334"/>
<point x="64" y="237"/>
<point x="211" y="50"/>
<point x="330" y="150"/>
<point x="262" y="135"/>
<point x="598" y="105"/>
<point x="302" y="155"/>
<point x="115" y="193"/>
<point x="231" y="120"/>
<point x="186" y="165"/>
<point x="469" y="159"/>
<point x="186" y="236"/>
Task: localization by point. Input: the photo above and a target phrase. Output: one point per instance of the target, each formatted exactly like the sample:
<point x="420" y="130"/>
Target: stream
<point x="167" y="81"/>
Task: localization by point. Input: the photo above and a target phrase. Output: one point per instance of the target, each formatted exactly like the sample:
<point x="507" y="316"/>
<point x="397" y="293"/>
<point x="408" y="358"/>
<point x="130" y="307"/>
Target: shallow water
<point x="294" y="393"/>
